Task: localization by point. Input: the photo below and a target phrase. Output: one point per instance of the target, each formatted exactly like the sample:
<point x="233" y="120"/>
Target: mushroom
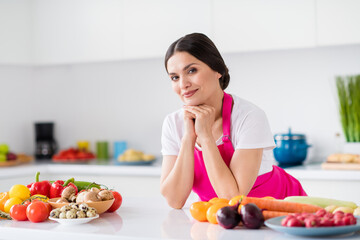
<point x="68" y="193"/>
<point x="94" y="189"/>
<point x="80" y="197"/>
<point x="105" y="195"/>
<point x="91" y="197"/>
<point x="62" y="200"/>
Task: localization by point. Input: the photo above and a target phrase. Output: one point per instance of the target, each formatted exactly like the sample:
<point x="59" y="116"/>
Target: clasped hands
<point x="199" y="121"/>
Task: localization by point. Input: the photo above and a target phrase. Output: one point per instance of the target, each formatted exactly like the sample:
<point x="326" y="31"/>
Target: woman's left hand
<point x="204" y="120"/>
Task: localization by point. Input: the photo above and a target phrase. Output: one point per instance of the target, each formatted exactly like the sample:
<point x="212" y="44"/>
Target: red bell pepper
<point x="58" y="186"/>
<point x="42" y="187"/>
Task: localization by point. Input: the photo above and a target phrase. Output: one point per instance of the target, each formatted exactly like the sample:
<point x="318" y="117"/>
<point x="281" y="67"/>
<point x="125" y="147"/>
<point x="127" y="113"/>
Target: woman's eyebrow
<point x="185" y="68"/>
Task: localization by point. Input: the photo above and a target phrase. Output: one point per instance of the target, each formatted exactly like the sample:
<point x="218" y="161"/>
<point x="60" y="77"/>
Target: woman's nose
<point x="184" y="83"/>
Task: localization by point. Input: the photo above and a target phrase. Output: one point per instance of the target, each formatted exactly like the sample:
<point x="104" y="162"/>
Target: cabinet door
<point x="77" y="31"/>
<point x="338" y="22"/>
<point x="15" y="32"/>
<point x="151" y="26"/>
<point x="246" y="25"/>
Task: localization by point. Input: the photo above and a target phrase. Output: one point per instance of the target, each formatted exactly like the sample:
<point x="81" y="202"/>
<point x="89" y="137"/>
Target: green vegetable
<point x="348" y="89"/>
<point x="321" y="202"/>
<point x="5" y="215"/>
<point x="81" y="185"/>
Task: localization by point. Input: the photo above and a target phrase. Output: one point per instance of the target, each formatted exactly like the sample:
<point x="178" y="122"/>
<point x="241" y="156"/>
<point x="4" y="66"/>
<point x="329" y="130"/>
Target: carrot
<point x="273" y="214"/>
<point x="280" y="205"/>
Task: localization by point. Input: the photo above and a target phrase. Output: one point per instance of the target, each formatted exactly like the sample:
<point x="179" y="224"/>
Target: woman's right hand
<point x="189" y="125"/>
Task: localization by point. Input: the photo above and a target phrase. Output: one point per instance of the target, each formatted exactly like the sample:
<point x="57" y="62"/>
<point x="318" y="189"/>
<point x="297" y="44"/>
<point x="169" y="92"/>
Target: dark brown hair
<point x="201" y="47"/>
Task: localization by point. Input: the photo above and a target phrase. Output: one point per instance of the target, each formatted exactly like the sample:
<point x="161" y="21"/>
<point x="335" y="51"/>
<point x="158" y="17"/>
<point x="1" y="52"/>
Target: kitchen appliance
<point x="46" y="145"/>
<point x="291" y="149"/>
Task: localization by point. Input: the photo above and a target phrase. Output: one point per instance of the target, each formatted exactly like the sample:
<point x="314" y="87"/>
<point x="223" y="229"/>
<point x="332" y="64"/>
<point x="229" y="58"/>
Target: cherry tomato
<point x="18" y="212"/>
<point x="37" y="211"/>
<point x="117" y="203"/>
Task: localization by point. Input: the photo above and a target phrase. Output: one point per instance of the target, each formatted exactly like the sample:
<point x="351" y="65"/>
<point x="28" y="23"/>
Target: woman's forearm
<point x="176" y="187"/>
<point x="220" y="175"/>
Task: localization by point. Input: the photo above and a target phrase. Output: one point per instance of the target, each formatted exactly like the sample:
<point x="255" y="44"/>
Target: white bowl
<point x="75" y="221"/>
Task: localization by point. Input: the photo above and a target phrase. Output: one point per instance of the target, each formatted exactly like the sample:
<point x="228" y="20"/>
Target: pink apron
<point x="277" y="183"/>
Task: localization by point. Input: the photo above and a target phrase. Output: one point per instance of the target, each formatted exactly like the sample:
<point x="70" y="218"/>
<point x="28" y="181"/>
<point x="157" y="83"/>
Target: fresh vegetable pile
<point x="251" y="212"/>
<point x="30" y="202"/>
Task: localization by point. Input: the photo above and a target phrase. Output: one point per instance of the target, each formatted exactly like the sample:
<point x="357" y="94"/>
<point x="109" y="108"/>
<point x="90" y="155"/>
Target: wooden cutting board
<point x="340" y="166"/>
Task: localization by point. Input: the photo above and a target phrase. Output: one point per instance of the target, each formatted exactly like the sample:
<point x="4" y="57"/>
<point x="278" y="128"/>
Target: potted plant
<point x="348" y="88"/>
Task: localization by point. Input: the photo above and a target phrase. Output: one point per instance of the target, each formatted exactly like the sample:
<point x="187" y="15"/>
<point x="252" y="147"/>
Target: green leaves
<point x="348" y="88"/>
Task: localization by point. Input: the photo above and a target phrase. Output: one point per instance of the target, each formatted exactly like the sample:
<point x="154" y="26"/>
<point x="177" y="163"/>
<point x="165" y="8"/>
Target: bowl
<point x="100" y="207"/>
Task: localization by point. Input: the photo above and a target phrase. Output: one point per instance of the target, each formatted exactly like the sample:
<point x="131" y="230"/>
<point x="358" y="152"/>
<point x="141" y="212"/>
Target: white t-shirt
<point x="249" y="129"/>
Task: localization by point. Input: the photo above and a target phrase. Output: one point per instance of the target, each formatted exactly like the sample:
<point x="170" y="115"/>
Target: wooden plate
<point x="9" y="163"/>
<point x="340" y="166"/>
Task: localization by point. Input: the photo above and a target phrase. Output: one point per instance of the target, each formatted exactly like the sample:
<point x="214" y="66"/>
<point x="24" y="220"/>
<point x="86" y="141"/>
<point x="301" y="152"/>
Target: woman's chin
<point x="191" y="103"/>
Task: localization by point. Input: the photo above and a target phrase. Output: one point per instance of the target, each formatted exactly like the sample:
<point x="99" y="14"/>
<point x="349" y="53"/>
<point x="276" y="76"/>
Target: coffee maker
<point x="46" y="145"/>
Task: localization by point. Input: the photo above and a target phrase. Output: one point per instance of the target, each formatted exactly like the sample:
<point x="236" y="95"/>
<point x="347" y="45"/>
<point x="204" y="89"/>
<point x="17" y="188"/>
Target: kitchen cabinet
<point x="151" y="26"/>
<point x="338" y="22"/>
<point x="77" y="31"/>
<point x="249" y="25"/>
<point x="42" y="32"/>
<point x="15" y="42"/>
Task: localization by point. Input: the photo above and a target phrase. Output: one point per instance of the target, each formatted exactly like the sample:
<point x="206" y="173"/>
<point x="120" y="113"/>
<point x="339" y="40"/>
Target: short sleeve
<point x="169" y="138"/>
<point x="254" y="131"/>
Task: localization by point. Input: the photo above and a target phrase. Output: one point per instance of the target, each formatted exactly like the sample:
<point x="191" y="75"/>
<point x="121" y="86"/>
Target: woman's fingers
<point x="189" y="114"/>
<point x="200" y="110"/>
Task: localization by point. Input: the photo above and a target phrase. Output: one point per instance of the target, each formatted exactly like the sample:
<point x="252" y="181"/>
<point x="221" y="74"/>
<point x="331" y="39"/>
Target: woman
<point x="218" y="145"/>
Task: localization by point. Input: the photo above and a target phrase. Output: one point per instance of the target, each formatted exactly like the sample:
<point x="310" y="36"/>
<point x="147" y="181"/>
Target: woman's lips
<point x="189" y="93"/>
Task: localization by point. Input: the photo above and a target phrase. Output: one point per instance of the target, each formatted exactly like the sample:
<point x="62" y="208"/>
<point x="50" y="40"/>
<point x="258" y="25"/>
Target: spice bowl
<point x="100" y="207"/>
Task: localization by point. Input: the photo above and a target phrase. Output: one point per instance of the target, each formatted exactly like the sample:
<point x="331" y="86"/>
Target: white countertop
<point x="303" y="172"/>
<point x="139" y="219"/>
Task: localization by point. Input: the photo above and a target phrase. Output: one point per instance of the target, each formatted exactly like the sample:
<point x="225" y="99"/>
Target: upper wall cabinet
<point x="151" y="26"/>
<point x="15" y="40"/>
<point x="70" y="31"/>
<point x="247" y="25"/>
<point x="45" y="32"/>
<point x="338" y="22"/>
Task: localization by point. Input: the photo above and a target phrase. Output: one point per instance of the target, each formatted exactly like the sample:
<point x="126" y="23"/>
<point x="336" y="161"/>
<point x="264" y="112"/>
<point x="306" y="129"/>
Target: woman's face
<point x="193" y="80"/>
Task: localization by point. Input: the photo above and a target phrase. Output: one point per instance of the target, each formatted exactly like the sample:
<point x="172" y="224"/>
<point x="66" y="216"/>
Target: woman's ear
<point x="218" y="75"/>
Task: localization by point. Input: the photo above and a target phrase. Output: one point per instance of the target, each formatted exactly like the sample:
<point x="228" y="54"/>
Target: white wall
<point x="127" y="100"/>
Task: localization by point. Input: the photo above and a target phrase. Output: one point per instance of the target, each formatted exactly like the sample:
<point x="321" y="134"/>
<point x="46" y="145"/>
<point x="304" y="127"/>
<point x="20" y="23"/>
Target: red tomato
<point x="18" y="212"/>
<point x="49" y="207"/>
<point x="117" y="203"/>
<point x="37" y="211"/>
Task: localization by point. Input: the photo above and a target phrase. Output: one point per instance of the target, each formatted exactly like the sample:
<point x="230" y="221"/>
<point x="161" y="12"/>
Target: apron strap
<point x="226" y="117"/>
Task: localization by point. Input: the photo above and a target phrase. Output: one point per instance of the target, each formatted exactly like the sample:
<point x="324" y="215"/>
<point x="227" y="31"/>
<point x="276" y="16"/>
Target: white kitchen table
<point x="141" y="218"/>
<point x="139" y="181"/>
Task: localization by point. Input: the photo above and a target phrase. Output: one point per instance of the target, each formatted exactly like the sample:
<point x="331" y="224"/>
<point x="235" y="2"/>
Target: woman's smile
<point x="189" y="94"/>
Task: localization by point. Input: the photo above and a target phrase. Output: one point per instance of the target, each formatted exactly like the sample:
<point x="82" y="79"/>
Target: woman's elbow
<point x="173" y="202"/>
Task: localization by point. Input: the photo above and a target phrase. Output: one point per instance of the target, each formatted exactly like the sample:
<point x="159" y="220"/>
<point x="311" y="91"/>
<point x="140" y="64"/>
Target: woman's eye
<point x="192" y="70"/>
<point x="174" y="78"/>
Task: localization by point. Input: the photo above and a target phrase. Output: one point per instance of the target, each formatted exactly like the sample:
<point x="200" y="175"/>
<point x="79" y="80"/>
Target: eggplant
<point x="228" y="217"/>
<point x="251" y="216"/>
